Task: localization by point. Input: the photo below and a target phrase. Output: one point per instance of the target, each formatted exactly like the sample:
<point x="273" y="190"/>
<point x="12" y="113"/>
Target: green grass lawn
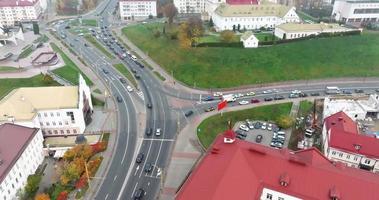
<point x="348" y="56"/>
<point x="262" y="37"/>
<point x="70" y="71"/>
<point x="8" y="69"/>
<point x="7" y="85"/>
<point x="94" y="42"/>
<point x="305" y="107"/>
<point x="26" y="52"/>
<point x="209" y="38"/>
<point x="304" y="16"/>
<point x="122" y="69"/>
<point x="159" y="76"/>
<point x="211" y="127"/>
<point x="97" y="102"/>
<point x="89" y="22"/>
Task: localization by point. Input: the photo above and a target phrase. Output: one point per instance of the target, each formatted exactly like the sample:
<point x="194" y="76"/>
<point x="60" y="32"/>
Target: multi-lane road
<point x="124" y="175"/>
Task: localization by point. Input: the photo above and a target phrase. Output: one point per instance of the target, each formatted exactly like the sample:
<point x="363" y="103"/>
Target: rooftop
<point x="15" y="3"/>
<point x="344" y="134"/>
<point x="242" y="170"/>
<point x="296" y="27"/>
<point x="247" y="35"/>
<point x="13" y="141"/>
<point x="258" y="10"/>
<point x="22" y="103"/>
<point x="241" y="2"/>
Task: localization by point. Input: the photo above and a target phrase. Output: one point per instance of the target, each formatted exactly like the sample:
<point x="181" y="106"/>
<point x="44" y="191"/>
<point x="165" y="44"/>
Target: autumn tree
<point x="227" y="36"/>
<point x="42" y="196"/>
<point x="170" y="12"/>
<point x="190" y="32"/>
<point x="63" y="195"/>
<point x="32" y="185"/>
<point x="285" y="121"/>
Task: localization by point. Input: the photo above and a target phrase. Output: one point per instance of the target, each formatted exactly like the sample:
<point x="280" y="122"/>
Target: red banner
<point x="222" y="105"/>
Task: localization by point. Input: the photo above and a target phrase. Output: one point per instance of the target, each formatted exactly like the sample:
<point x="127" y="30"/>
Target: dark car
<point x="208" y="98"/>
<point x="139" y="64"/>
<point x="346" y="92"/>
<point x="105" y="71"/>
<point x="138" y="194"/>
<point x="315" y="94"/>
<point x="258" y="139"/>
<point x="279" y="97"/>
<point x="149" y="131"/>
<point x="188" y="113"/>
<point x="134" y="71"/>
<point x="209" y="109"/>
<point x="243" y="134"/>
<point x="137" y="76"/>
<point x="240" y="137"/>
<point x="119" y="99"/>
<point x="257" y="125"/>
<point x="268" y="99"/>
<point x="303" y="95"/>
<point x="122" y="80"/>
<point x="85" y="44"/>
<point x="148" y="105"/>
<point x="140" y="157"/>
<point x="67" y="27"/>
<point x="255" y="101"/>
<point x="358" y="91"/>
<point x="148" y="167"/>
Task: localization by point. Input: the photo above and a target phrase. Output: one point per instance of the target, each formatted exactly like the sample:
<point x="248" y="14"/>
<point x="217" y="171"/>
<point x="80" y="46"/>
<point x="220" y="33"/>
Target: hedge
<point x="219" y="44"/>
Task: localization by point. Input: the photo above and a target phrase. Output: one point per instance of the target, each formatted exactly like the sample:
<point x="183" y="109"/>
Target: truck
<point x="332" y="90"/>
<point x="229" y="98"/>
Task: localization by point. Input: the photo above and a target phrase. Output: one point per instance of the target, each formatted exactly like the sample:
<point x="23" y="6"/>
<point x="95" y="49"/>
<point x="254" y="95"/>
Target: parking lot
<point x="267" y="135"/>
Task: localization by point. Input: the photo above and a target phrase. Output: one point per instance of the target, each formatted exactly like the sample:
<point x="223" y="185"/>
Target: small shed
<point x="249" y="40"/>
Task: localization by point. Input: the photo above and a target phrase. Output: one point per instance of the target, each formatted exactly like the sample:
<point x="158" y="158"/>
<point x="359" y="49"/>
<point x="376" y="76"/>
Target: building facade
<point x="356" y="11"/>
<point x="249" y="40"/>
<point x="21" y="154"/>
<point x="250" y="17"/>
<point x="190" y="6"/>
<point x="137" y="9"/>
<point x="12" y="11"/>
<point x="57" y="111"/>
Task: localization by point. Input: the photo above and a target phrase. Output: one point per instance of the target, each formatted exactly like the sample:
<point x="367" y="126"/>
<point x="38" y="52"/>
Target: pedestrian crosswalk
<point x="140" y="94"/>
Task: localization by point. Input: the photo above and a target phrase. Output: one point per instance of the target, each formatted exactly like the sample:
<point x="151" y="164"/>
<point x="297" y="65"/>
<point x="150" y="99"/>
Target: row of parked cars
<point x="278" y="139"/>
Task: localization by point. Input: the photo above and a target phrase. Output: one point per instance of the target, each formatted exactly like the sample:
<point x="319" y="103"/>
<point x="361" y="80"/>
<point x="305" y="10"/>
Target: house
<point x="137" y="9"/>
<point x="57" y="111"/>
<point x="243" y="170"/>
<point x="252" y="16"/>
<point x="20" y="155"/>
<point x="356" y="12"/>
<point x="249" y="40"/>
<point x="12" y="11"/>
<point x="343" y="143"/>
<point x="297" y="30"/>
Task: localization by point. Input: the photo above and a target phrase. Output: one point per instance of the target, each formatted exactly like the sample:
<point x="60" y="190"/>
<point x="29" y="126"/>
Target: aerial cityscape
<point x="189" y="99"/>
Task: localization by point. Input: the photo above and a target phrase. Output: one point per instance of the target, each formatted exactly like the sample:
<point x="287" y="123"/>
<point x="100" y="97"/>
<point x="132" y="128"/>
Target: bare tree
<point x="170" y="11"/>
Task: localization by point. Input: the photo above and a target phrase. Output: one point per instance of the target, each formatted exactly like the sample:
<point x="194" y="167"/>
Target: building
<point x="356" y="11"/>
<point x="296" y="30"/>
<point x="249" y="40"/>
<point x="343" y="143"/>
<point x="249" y="17"/>
<point x="20" y="155"/>
<point x="243" y="170"/>
<point x="190" y="6"/>
<point x="137" y="9"/>
<point x="12" y="11"/>
<point x="57" y="111"/>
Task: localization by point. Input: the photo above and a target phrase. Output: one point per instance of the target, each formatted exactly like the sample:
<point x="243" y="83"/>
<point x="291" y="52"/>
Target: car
<point x="267" y="92"/>
<point x="358" y="91"/>
<point x="119" y="99"/>
<point x="292" y="96"/>
<point x="149" y="131"/>
<point x="346" y="92"/>
<point x="80" y="34"/>
<point x="140" y="157"/>
<point x="139" y="64"/>
<point x="67" y="27"/>
<point x="240" y="137"/>
<point x="278" y="97"/>
<point x="244" y="127"/>
<point x="128" y="52"/>
<point x="138" y="194"/>
<point x="208" y="98"/>
<point x="129" y="88"/>
<point x="254" y="101"/>
<point x="133" y="70"/>
<point x="243" y="102"/>
<point x="217" y="94"/>
<point x="257" y="125"/>
<point x="264" y="126"/>
<point x="149" y="106"/>
<point x="86" y="45"/>
<point x="269" y="127"/>
<point x="250" y="94"/>
<point x="158" y="132"/>
<point x="303" y="95"/>
<point x="134" y="57"/>
<point x="209" y="109"/>
<point x="122" y="80"/>
<point x="295" y="92"/>
<point x="148" y="167"/>
<point x="137" y="76"/>
<point x="238" y="95"/>
<point x="258" y="139"/>
<point x="249" y="124"/>
<point x="188" y="113"/>
<point x="243" y="134"/>
<point x="315" y="94"/>
<point x="268" y="99"/>
<point x="275" y="128"/>
<point x="376" y="90"/>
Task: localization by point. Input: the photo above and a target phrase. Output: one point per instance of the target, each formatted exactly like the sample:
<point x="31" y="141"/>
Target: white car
<point x="295" y="91"/>
<point x="158" y="132"/>
<point x="269" y="127"/>
<point x="267" y="92"/>
<point x="244" y="127"/>
<point x="250" y="94"/>
<point x="134" y="57"/>
<point x="130" y="89"/>
<point x="217" y="94"/>
<point x="264" y="126"/>
<point x="243" y="102"/>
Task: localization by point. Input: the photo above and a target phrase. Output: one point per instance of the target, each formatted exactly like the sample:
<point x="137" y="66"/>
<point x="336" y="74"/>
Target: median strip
<point x="122" y="69"/>
<point x="93" y="41"/>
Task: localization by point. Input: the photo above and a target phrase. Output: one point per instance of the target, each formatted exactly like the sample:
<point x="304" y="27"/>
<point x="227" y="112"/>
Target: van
<point x="134" y="57"/>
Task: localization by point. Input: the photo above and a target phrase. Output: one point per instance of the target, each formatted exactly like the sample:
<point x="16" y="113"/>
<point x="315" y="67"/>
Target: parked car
<point x="346" y="92"/>
<point x="209" y="109"/>
<point x="243" y="134"/>
<point x="259" y="138"/>
<point x="138" y="194"/>
<point x="244" y="127"/>
<point x="264" y="126"/>
<point x="148" y="167"/>
<point x="188" y="113"/>
<point x="240" y="137"/>
<point x="267" y="92"/>
<point x="250" y="94"/>
<point x="149" y="131"/>
<point x="217" y="94"/>
<point x="358" y="91"/>
<point x="243" y="102"/>
<point x="268" y="99"/>
<point x="255" y="101"/>
<point x="292" y="96"/>
<point x="249" y="124"/>
<point x="140" y="157"/>
<point x="137" y="76"/>
<point x="315" y="94"/>
<point x="269" y="127"/>
<point x="257" y="125"/>
<point x="278" y="97"/>
<point x="303" y="95"/>
<point x="158" y="132"/>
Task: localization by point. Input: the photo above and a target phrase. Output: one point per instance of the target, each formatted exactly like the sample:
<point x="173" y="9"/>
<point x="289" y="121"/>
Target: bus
<point x="332" y="90"/>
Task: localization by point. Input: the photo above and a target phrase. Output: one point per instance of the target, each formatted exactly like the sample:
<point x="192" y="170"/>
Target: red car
<point x="254" y="101"/>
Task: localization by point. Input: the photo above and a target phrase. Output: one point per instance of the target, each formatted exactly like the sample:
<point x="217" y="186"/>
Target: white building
<point x="137" y="9"/>
<point x="296" y="30"/>
<point x="21" y="154"/>
<point x="249" y="40"/>
<point x="356" y="11"/>
<point x="12" y="11"/>
<point x="249" y="17"/>
<point x="190" y="6"/>
<point x="57" y="111"/>
<point x="342" y="142"/>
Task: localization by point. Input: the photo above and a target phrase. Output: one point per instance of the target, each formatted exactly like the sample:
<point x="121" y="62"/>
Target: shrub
<point x="157" y="34"/>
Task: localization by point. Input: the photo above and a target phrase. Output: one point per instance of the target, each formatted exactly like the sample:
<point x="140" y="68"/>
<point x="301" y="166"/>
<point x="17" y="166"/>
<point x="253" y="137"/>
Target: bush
<point x="174" y="35"/>
<point x="32" y="185"/>
<point x="285" y="121"/>
<point x="221" y="44"/>
<point x="157" y="34"/>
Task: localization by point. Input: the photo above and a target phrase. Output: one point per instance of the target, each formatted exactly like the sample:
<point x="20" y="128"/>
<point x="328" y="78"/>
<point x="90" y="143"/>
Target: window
<point x="45" y="114"/>
<point x="60" y="123"/>
<point x="49" y="131"/>
<point x="340" y="155"/>
<point x="348" y="156"/>
<point x="356" y="158"/>
<point x="52" y="114"/>
<point x="269" y="196"/>
<point x="62" y="131"/>
<point x="74" y="130"/>
<point x="333" y="153"/>
<point x="68" y="131"/>
<point x="55" y="132"/>
<point x="54" y="123"/>
<point x="47" y="124"/>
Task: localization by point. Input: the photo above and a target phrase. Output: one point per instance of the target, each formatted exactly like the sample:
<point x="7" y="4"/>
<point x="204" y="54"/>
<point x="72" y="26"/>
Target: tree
<point x="227" y="36"/>
<point x="32" y="184"/>
<point x="170" y="12"/>
<point x="42" y="196"/>
<point x="211" y="24"/>
<point x="35" y="28"/>
<point x="190" y="32"/>
<point x="184" y="40"/>
<point x="239" y="27"/>
<point x="285" y="121"/>
<point x="63" y="195"/>
<point x="234" y="28"/>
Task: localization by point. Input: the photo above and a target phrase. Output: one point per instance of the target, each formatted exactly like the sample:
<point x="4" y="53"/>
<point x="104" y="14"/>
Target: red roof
<point x="241" y="2"/>
<point x="13" y="141"/>
<point x="344" y="135"/>
<point x="15" y="3"/>
<point x="241" y="170"/>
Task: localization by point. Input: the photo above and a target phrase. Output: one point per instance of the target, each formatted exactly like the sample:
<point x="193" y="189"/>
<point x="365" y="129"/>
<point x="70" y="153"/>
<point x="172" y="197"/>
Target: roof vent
<point x="334" y="193"/>
<point x="357" y="147"/>
<point x="284" y="179"/>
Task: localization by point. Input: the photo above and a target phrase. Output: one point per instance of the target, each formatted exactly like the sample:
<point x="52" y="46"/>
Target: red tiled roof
<point x="16" y="3"/>
<point x="241" y="2"/>
<point x="241" y="170"/>
<point x="344" y="135"/>
<point x="13" y="141"/>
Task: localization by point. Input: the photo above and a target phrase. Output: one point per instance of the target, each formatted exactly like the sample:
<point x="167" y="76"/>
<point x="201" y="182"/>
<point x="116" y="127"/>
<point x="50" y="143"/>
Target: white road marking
<point x="163" y="129"/>
<point x="115" y="177"/>
<point x="106" y="196"/>
<point x="148" y="183"/>
<point x="162" y="140"/>
<point x="134" y="189"/>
